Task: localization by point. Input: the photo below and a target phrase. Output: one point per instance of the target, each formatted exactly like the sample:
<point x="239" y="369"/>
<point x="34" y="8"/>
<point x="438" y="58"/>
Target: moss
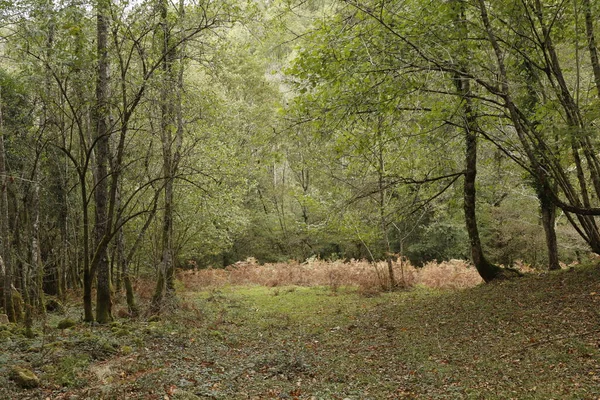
<point x="121" y="332"/>
<point x="24" y="378"/>
<point x="5" y="334"/>
<point x="53" y="347"/>
<point x="18" y="305"/>
<point x="154" y="318"/>
<point x="66" y="323"/>
<point x="68" y="369"/>
<point x="126" y="350"/>
<point x="183" y="395"/>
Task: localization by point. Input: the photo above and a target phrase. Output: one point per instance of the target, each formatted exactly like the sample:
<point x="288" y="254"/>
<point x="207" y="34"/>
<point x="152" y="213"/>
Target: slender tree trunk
<point x="101" y="228"/>
<point x="382" y="212"/>
<point x="166" y="125"/>
<point x="5" y="249"/>
<point x="37" y="295"/>
<point x="63" y="221"/>
<point x="487" y="270"/>
<point x="88" y="276"/>
<point x="171" y="120"/>
<point x="548" y="211"/>
<point x="591" y="40"/>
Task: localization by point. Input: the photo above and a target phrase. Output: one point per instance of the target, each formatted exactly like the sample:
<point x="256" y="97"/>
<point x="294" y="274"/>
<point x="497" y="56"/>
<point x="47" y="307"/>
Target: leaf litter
<point x="536" y="337"/>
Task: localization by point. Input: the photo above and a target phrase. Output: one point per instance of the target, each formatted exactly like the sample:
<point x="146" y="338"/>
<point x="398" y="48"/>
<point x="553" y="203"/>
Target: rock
<point x="24" y="378"/>
<point x="3" y="319"/>
<point x="66" y="323"/>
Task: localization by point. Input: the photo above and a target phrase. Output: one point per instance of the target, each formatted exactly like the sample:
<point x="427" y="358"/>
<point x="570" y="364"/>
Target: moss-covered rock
<point x="3" y="319"/>
<point x="24" y="378"/>
<point x="66" y="323"/>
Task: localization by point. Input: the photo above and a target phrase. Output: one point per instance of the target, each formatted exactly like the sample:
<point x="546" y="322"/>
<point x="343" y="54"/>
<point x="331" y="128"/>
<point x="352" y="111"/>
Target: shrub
<point x="368" y="277"/>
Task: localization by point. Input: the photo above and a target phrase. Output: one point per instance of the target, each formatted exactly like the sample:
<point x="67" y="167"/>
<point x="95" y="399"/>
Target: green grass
<point x="537" y="337"/>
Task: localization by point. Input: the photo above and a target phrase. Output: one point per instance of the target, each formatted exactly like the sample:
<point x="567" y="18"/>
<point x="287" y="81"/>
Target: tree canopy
<point x="141" y="137"/>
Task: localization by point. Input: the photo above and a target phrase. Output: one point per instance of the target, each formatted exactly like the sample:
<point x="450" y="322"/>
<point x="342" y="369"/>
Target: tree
<point x="6" y="265"/>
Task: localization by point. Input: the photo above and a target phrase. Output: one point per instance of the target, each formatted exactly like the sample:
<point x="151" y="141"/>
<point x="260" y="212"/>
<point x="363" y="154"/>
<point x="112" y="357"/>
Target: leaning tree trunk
<point x="547" y="207"/>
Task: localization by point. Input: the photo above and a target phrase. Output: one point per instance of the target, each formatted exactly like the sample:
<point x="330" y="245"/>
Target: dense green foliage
<point x="138" y="137"/>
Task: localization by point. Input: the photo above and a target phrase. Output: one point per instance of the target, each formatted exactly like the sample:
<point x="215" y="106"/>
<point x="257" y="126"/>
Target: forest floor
<point x="536" y="337"/>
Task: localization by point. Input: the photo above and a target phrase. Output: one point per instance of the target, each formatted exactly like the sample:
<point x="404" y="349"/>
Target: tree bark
<point x="5" y="249"/>
<point x="166" y="126"/>
<point x="486" y="270"/>
<point x="548" y="211"/>
<point x="101" y="227"/>
<point x="382" y="212"/>
<point x="591" y="40"/>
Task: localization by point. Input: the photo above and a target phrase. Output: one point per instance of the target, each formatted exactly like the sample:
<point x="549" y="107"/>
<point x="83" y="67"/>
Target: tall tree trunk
<point x="63" y="221"/>
<point x="591" y="40"/>
<point x="88" y="275"/>
<point x="101" y="228"/>
<point x="487" y="270"/>
<point x="171" y="120"/>
<point x="382" y="203"/>
<point x="37" y="294"/>
<point x="166" y="126"/>
<point x="5" y="249"/>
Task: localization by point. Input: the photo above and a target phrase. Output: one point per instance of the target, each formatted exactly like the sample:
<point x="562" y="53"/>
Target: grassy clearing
<point x="533" y="338"/>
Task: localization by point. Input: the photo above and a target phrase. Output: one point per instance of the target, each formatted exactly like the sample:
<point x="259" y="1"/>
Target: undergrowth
<point x="537" y="337"/>
<point x="369" y="277"/>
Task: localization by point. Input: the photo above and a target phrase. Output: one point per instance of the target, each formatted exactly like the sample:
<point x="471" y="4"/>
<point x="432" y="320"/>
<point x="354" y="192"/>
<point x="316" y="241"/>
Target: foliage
<point x="369" y="278"/>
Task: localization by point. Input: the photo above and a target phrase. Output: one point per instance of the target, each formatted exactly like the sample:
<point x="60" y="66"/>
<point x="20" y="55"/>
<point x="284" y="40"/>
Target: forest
<point x="221" y="164"/>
